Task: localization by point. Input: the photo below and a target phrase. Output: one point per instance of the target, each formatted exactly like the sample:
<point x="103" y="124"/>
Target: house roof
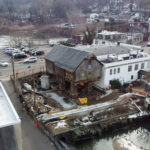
<point x="67" y="58"/>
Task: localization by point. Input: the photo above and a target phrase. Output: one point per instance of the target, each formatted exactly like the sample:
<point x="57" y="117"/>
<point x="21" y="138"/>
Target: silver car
<point x="3" y="64"/>
<point x="30" y="60"/>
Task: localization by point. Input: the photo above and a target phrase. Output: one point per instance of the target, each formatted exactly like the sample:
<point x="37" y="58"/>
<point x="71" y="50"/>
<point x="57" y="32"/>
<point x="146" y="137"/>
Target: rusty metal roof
<point x="67" y="58"/>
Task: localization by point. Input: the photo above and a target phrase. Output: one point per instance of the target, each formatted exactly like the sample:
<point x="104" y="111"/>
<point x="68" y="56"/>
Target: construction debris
<point x="60" y="115"/>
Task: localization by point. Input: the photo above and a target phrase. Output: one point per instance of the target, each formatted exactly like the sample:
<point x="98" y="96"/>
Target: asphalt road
<point x="33" y="138"/>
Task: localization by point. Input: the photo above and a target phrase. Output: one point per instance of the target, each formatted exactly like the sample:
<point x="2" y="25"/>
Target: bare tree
<point x="10" y="9"/>
<point x="61" y="8"/>
<point x="29" y="42"/>
<point x="40" y="11"/>
<point x="16" y="40"/>
<point x="89" y="35"/>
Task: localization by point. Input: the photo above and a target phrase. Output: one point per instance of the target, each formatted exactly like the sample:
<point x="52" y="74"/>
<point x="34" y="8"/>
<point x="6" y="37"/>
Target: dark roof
<point x="67" y="58"/>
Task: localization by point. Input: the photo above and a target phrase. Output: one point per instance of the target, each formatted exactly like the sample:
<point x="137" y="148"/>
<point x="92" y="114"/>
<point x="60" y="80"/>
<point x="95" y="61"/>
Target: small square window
<point x="129" y="68"/>
<point x="118" y="70"/>
<point x="142" y="65"/>
<point x="110" y="71"/>
<point x="136" y="67"/>
<point x="114" y="71"/>
<point x="132" y="77"/>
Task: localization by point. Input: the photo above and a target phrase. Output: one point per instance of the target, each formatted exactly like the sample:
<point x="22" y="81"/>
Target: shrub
<point x="115" y="84"/>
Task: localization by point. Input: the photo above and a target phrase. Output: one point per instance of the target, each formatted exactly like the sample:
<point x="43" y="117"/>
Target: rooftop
<point x="8" y="115"/>
<point x="67" y="58"/>
<point x="132" y="57"/>
<point x="109" y="48"/>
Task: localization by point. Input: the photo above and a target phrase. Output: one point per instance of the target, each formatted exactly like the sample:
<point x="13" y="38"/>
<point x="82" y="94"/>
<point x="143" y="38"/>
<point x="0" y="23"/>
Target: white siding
<point x="124" y="75"/>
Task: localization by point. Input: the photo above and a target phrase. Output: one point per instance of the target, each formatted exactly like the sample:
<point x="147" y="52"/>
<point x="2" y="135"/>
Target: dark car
<point x="39" y="52"/>
<point x="36" y="52"/>
<point x="20" y="55"/>
<point x="32" y="52"/>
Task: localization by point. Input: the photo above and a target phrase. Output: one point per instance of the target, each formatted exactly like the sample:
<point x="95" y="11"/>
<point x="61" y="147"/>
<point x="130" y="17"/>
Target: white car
<point x="30" y="60"/>
<point x="53" y="43"/>
<point x="3" y="64"/>
<point x="148" y="44"/>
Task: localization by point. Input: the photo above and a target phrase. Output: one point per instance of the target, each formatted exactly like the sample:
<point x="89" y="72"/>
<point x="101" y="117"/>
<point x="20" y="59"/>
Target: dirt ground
<point x="94" y="98"/>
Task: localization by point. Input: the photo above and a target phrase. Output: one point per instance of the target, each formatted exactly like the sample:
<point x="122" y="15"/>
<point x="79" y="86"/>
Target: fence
<point x="28" y="72"/>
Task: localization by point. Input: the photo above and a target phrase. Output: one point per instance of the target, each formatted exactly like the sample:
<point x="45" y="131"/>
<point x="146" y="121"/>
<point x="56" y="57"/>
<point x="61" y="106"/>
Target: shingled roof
<point x="67" y="58"/>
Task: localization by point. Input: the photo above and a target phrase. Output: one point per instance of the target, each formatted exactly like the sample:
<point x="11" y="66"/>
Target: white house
<point x="134" y="38"/>
<point x="112" y="36"/>
<point x="116" y="36"/>
<point x="122" y="62"/>
<point x="124" y="67"/>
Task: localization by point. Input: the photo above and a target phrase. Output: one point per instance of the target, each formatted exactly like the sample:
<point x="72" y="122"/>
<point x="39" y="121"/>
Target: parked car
<point x="30" y="60"/>
<point x="39" y="52"/>
<point x="15" y="53"/>
<point x="32" y="51"/>
<point x="3" y="64"/>
<point x="20" y="55"/>
<point x="148" y="44"/>
<point x="26" y="50"/>
<point x="36" y="52"/>
<point x="9" y="50"/>
<point x="53" y="43"/>
<point x="22" y="47"/>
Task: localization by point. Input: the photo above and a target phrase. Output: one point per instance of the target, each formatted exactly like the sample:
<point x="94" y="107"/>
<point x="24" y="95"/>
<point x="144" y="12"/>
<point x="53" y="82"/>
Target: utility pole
<point x="13" y="69"/>
<point x="34" y="95"/>
<point x="131" y="29"/>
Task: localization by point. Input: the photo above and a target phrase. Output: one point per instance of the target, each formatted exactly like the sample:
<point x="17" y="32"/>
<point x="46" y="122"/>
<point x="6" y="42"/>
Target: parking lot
<point x="19" y="64"/>
<point x="5" y="72"/>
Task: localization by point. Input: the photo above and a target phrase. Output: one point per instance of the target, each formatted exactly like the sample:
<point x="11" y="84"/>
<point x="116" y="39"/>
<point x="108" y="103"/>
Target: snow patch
<point x="64" y="102"/>
<point x="61" y="124"/>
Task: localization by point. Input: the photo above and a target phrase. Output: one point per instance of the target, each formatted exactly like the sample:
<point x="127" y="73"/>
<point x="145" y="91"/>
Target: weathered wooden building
<point x="74" y="69"/>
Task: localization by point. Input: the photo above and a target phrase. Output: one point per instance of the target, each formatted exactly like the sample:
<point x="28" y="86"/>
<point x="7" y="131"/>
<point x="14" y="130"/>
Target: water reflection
<point x="140" y="137"/>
